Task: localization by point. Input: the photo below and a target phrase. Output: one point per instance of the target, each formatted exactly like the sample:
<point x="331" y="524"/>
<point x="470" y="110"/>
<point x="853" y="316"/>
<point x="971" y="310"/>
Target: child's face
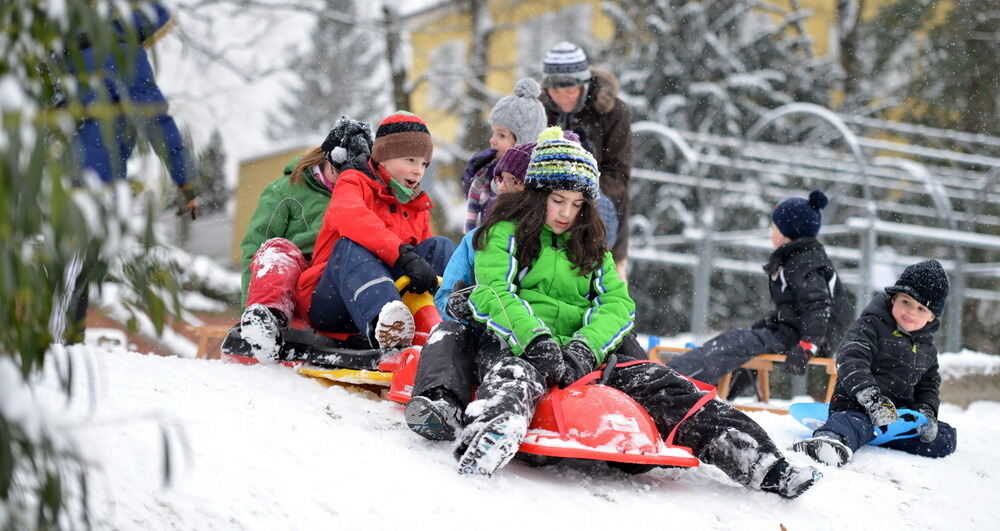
<point x="506" y="182"/>
<point x="566" y="98"/>
<point x="502" y="139"/>
<point x="777" y="238"/>
<point x="561" y="210"/>
<point x="407" y="171"/>
<point x="909" y="314"/>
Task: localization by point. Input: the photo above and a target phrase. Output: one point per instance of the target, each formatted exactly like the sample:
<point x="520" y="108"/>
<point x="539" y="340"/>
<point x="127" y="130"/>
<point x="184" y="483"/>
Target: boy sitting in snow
<point x="886" y="360"/>
<point x="811" y="307"/>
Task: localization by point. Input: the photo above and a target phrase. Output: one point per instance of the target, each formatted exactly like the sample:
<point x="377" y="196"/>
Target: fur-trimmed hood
<point x="600" y="95"/>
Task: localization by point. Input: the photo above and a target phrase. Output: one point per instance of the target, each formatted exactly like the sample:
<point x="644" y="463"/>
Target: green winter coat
<point x="551" y="298"/>
<point x="285" y="210"/>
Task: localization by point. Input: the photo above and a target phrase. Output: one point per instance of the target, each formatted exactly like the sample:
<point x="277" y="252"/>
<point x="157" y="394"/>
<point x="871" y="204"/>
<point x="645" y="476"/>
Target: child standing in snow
<point x="888" y="360"/>
<point x="282" y="231"/>
<point x="555" y="308"/>
<point x="376" y="229"/>
<point x="811" y="306"/>
<point x="514" y="120"/>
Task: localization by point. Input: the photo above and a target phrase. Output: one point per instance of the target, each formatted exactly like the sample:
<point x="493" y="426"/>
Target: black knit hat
<point x="348" y="140"/>
<point x="797" y="217"/>
<point x="926" y="282"/>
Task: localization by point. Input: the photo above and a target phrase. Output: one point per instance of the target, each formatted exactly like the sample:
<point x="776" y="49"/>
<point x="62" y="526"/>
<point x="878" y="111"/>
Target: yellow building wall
<point x="447" y="23"/>
<point x="254" y="175"/>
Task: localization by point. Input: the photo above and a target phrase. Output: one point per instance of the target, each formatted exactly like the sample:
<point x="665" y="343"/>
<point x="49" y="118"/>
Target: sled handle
<point x="609" y="369"/>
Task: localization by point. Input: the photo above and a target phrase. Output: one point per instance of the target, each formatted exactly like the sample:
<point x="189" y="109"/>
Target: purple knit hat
<point x="515" y="161"/>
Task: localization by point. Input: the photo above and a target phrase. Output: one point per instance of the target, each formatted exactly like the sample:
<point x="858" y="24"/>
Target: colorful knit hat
<point x="515" y="161"/>
<point x="797" y="217"/>
<point x="565" y="66"/>
<point x="402" y="134"/>
<point x="926" y="282"/>
<point x="522" y="113"/>
<point x="561" y="164"/>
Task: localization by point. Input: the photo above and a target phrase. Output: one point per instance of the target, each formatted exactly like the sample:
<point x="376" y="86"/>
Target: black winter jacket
<point x="810" y="302"/>
<point x="874" y="352"/>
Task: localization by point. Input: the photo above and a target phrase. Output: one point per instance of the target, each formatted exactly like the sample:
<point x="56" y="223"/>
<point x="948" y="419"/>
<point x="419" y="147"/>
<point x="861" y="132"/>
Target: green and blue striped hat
<point x="561" y="164"/>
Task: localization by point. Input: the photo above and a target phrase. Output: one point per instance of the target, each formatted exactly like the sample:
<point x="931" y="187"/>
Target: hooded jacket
<point x="285" y="210"/>
<point x="519" y="302"/>
<point x="364" y="210"/>
<point x="810" y="302"/>
<point x="874" y="352"/>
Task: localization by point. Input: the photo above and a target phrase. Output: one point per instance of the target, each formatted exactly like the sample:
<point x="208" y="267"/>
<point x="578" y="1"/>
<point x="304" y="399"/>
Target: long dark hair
<point x="585" y="247"/>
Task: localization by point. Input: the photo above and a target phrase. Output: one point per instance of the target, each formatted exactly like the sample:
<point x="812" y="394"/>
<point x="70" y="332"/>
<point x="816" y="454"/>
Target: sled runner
<point x="814" y="414"/>
<point x="344" y="357"/>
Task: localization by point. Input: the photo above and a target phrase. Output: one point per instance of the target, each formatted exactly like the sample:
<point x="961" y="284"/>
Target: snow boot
<point x="491" y="445"/>
<point x="825" y="447"/>
<point x="436" y="417"/>
<point x="394" y="326"/>
<point x="261" y="328"/>
<point x="789" y="481"/>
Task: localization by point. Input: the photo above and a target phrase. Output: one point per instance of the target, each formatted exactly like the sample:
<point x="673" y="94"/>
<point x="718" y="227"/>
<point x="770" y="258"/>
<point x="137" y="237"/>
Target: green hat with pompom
<point x="561" y="164"/>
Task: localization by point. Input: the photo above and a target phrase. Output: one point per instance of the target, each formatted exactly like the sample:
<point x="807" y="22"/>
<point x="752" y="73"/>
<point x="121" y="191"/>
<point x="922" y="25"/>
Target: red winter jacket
<point x="364" y="210"/>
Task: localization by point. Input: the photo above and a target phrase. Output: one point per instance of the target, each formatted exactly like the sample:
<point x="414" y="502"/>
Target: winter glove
<point x="187" y="201"/>
<point x="422" y="275"/>
<point x="797" y="359"/>
<point x="545" y="356"/>
<point x="458" y="302"/>
<point x="880" y="409"/>
<point x="579" y="361"/>
<point x="928" y="432"/>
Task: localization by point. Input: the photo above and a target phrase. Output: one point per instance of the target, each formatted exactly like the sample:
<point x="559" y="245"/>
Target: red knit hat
<point x="402" y="134"/>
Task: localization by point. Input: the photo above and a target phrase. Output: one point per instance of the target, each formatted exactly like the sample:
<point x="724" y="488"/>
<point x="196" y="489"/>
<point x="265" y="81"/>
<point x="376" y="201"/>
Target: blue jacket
<point x="460" y="267"/>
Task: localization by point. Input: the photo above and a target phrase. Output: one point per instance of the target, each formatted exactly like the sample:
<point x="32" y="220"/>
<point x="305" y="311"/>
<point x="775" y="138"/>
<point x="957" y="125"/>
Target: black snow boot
<point x="789" y="481"/>
<point x="491" y="445"/>
<point x="825" y="447"/>
<point x="435" y="416"/>
<point x="262" y="330"/>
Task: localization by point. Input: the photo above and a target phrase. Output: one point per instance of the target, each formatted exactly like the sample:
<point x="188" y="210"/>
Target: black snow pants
<point x="726" y="352"/>
<point x="718" y="433"/>
<point x="448" y="360"/>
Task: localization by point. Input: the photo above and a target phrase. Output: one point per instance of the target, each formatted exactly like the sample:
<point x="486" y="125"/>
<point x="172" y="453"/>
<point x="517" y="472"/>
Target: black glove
<point x="545" y="356"/>
<point x="187" y="201"/>
<point x="579" y="361"/>
<point x="880" y="409"/>
<point x="422" y="275"/>
<point x="458" y="302"/>
<point x="928" y="432"/>
<point x="797" y="359"/>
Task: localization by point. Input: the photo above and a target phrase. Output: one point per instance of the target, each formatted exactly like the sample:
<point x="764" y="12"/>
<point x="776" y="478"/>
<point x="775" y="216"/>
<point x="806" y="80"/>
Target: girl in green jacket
<point x="282" y="231"/>
<point x="555" y="308"/>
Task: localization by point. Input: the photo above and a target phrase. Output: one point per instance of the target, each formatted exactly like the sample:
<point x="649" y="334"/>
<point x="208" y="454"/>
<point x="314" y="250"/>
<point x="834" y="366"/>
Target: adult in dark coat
<point x="584" y="99"/>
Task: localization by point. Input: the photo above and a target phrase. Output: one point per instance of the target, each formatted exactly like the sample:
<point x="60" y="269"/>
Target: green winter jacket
<point x="551" y="298"/>
<point x="285" y="210"/>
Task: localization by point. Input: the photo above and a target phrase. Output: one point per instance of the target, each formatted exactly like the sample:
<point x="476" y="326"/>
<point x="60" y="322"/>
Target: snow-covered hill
<point x="264" y="448"/>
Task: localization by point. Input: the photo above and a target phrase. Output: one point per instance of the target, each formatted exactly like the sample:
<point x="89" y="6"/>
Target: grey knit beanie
<point x="565" y="65"/>
<point x="522" y="113"/>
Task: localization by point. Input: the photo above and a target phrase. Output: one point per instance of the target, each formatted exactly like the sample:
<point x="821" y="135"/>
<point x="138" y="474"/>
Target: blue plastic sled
<point x="813" y="415"/>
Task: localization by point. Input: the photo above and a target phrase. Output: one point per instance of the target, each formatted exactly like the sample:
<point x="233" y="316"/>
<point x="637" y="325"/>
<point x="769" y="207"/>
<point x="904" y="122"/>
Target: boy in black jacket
<point x="887" y="360"/>
<point x="811" y="306"/>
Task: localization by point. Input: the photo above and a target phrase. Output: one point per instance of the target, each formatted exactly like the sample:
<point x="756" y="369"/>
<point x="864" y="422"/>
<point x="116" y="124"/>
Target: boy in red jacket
<point x="376" y="229"/>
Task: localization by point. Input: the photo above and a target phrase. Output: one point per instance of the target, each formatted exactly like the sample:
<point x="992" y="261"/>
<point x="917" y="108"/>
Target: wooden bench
<point x="763" y="364"/>
<point x="209" y="338"/>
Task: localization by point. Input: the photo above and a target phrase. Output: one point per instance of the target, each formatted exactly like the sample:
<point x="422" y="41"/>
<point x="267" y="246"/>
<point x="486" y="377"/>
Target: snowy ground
<point x="268" y="449"/>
